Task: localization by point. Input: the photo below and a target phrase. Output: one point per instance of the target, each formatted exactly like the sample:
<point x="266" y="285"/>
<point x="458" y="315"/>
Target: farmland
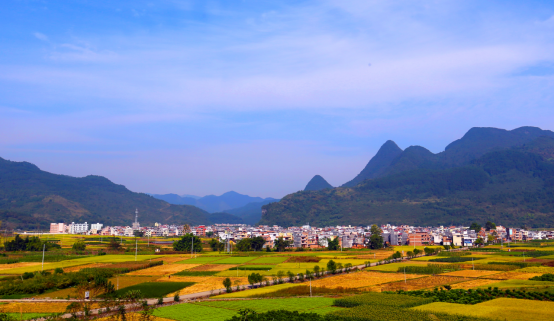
<point x="186" y="275"/>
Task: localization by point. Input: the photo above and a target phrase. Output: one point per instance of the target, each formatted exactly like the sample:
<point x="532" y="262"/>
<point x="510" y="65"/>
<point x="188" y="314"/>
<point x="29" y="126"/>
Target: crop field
<point x="243" y="273"/>
<point x="234" y="260"/>
<point x="539" y="269"/>
<point x="202" y="283"/>
<point x="202" y="260"/>
<point x="393" y="267"/>
<point x="163" y="269"/>
<point x="258" y="291"/>
<point x="474" y="283"/>
<point x="513" y="276"/>
<point x="470" y="273"/>
<point x="523" y="284"/>
<point x="155" y="289"/>
<point x="194" y="312"/>
<point x="498" y="309"/>
<point x="268" y="260"/>
<point x="35" y="307"/>
<point x="421" y="283"/>
<point x="222" y="310"/>
<point x="213" y="267"/>
<point x="360" y="279"/>
<point x="38" y="267"/>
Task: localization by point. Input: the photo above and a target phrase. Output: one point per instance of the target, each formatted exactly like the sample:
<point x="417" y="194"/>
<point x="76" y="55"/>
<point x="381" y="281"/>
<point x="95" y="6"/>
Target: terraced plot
<point x="421" y="283"/>
<point x="258" y="291"/>
<point x="360" y="279"/>
<point x="162" y="270"/>
<point x="470" y="273"/>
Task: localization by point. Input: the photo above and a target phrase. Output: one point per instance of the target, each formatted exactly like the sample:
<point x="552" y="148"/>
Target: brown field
<point x="469" y="273"/>
<point x="513" y="276"/>
<point x="473" y="283"/>
<point x="421" y="283"/>
<point x="360" y="279"/>
<point x="17" y="265"/>
<point x="78" y="268"/>
<point x="163" y="269"/>
<point x="60" y="294"/>
<point x="131" y="316"/>
<point x="212" y="267"/>
<point x="36" y="307"/>
<point x="203" y="283"/>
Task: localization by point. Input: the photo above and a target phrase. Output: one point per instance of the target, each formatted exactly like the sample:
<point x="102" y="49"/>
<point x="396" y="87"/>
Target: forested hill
<point x="390" y="159"/>
<point x="512" y="186"/>
<point x="29" y="196"/>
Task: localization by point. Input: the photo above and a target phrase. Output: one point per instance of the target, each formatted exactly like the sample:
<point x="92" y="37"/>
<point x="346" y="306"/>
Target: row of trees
<point x="29" y="244"/>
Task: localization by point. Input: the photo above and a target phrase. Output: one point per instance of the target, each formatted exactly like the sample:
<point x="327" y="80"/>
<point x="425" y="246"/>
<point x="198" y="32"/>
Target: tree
<point x="475" y="226"/>
<point x="227" y="284"/>
<point x="316" y="270"/>
<point x="114" y="244"/>
<point x="138" y="233"/>
<point x="280" y="275"/>
<point x="332" y="266"/>
<point x="410" y="254"/>
<point x="416" y="252"/>
<point x="185" y="244"/>
<point x="333" y="244"/>
<point x="29" y="244"/>
<point x="429" y="251"/>
<point x="214" y="244"/>
<point x="244" y="245"/>
<point x="291" y="276"/>
<point x="339" y="267"/>
<point x="209" y="234"/>
<point x="490" y="225"/>
<point x="396" y="255"/>
<point x="257" y="243"/>
<point x="490" y="238"/>
<point x="281" y="244"/>
<point x="447" y="247"/>
<point x="479" y="241"/>
<point x="79" y="246"/>
<point x="376" y="241"/>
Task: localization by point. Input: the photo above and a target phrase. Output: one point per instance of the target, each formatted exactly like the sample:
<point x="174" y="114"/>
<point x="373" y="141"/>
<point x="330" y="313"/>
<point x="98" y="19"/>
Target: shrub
<point x="176" y="298"/>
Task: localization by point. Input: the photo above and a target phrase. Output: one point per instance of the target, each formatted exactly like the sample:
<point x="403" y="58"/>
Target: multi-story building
<point x="78" y="228"/>
<point x="58" y="228"/>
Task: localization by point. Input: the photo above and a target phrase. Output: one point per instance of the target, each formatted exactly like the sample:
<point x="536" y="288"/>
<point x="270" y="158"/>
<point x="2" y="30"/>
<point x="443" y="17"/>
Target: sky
<point x="204" y="97"/>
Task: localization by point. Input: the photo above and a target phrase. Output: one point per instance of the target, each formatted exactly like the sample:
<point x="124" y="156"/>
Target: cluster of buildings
<point x="316" y="237"/>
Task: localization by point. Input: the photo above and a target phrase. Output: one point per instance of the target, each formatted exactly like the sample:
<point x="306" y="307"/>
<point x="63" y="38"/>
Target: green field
<point x="263" y="290"/>
<point x="522" y="284"/>
<point x="222" y="310"/>
<point x="155" y="289"/>
<point x="268" y="260"/>
<point x="393" y="267"/>
<point x="234" y="260"/>
<point x="202" y="260"/>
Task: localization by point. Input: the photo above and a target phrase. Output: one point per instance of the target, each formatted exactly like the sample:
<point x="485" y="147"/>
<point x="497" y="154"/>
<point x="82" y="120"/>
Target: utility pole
<point x="43" y="248"/>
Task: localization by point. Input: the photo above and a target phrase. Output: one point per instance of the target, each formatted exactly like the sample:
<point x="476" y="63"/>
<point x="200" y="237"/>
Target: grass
<point x="258" y="291"/>
<point x="497" y="309"/>
<point x="155" y="289"/>
<point x="292" y="304"/>
<point x="235" y="260"/>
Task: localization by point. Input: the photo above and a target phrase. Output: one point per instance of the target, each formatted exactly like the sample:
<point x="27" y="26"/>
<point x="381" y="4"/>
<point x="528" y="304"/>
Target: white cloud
<point x="40" y="36"/>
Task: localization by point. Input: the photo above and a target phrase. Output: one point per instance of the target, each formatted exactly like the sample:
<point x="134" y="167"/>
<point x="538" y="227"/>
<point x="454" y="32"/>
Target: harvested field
<point x="513" y="276"/>
<point x="163" y="269"/>
<point x="78" y="268"/>
<point x="539" y="269"/>
<point x="212" y="267"/>
<point x="18" y="265"/>
<point x="60" y="294"/>
<point x="203" y="284"/>
<point x="360" y="279"/>
<point x="470" y="273"/>
<point x="474" y="283"/>
<point x="172" y="259"/>
<point x="421" y="283"/>
<point x="36" y="307"/>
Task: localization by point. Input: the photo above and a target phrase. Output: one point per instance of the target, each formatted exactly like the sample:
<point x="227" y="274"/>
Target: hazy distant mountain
<point x="317" y="183"/>
<point x="225" y="218"/>
<point x="30" y="196"/>
<point x="489" y="174"/>
<point x="211" y="203"/>
<point x="190" y="196"/>
<point x="252" y="212"/>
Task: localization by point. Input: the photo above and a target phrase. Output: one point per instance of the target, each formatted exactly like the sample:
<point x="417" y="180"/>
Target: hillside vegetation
<point x="513" y="186"/>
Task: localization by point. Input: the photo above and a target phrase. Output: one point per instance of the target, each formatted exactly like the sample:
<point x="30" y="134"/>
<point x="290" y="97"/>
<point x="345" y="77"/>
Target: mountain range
<point x="212" y="203"/>
<point x="488" y="174"/>
<point x="31" y="198"/>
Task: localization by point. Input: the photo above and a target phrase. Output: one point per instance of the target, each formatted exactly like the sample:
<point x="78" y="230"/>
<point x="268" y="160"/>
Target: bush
<point x="176" y="298"/>
<point x="160" y="301"/>
<point x="275" y="315"/>
<point x="545" y="277"/>
<point x="27" y="275"/>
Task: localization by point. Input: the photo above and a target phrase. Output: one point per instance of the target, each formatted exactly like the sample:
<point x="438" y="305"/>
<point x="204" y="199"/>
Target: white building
<point x="78" y="228"/>
<point x="96" y="226"/>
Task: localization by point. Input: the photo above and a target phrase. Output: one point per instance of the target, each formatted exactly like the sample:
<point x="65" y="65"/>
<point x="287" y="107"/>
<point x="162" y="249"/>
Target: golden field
<point x="19" y="265"/>
<point x="474" y="283"/>
<point x="36" y="307"/>
<point x="163" y="269"/>
<point x="470" y="273"/>
<point x="513" y="276"/>
<point x="421" y="283"/>
<point x="203" y="283"/>
<point x="360" y="279"/>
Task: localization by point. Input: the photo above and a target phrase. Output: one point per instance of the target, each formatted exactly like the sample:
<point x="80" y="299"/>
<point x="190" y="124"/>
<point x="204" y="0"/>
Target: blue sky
<point x="203" y="97"/>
